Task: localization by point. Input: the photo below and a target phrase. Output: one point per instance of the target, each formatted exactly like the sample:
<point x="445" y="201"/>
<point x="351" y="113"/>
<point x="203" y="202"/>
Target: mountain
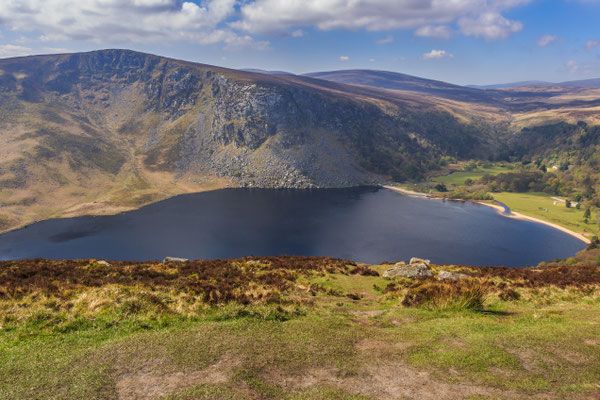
<point x="591" y="83"/>
<point x="509" y="85"/>
<point x="111" y="130"/>
<point x="594" y="83"/>
<point x="262" y="71"/>
<point x="398" y="81"/>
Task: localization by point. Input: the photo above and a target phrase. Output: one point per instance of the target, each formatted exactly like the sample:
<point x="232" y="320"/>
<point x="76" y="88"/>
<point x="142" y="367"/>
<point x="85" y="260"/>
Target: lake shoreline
<point x="500" y="211"/>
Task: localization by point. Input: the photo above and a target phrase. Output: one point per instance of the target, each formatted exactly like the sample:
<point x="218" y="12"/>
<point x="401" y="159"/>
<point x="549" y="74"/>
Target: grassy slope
<point x="536" y="204"/>
<point x="133" y="341"/>
<point x="459" y="177"/>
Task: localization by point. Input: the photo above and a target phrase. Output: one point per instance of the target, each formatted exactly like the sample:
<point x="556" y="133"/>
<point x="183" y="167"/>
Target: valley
<point x="113" y="130"/>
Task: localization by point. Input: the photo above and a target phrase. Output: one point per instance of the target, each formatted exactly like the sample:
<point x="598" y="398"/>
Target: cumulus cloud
<point x="298" y="33"/>
<point x="117" y="21"/>
<point x="438" y="32"/>
<point x="545" y="40"/>
<point x="572" y="66"/>
<point x="10" y="50"/>
<point x="592" y="44"/>
<point x="489" y="26"/>
<point x="385" y="40"/>
<point x="344" y="58"/>
<point x="479" y="17"/>
<point x="436" y="54"/>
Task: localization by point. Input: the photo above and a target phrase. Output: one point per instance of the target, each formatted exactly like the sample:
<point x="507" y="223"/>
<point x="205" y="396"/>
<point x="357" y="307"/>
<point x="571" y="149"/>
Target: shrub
<point x="509" y="295"/>
<point x="462" y="295"/>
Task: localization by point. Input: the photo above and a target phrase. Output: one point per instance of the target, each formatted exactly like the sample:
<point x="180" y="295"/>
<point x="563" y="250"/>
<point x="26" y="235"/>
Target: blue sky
<point x="458" y="41"/>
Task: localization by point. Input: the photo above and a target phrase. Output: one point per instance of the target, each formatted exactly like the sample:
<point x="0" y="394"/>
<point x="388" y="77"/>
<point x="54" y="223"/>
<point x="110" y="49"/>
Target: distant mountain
<point x="509" y="85"/>
<point x="262" y="71"/>
<point x="398" y="81"/>
<point x="593" y="83"/>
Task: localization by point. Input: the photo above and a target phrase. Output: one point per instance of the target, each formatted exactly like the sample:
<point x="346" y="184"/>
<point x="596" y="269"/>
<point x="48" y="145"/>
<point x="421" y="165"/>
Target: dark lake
<point x="363" y="224"/>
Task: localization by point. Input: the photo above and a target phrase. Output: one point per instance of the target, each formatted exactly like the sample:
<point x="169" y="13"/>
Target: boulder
<point x="419" y="270"/>
<point x="103" y="263"/>
<point x="255" y="262"/>
<point x="452" y="276"/>
<point x="174" y="260"/>
<point x="416" y="260"/>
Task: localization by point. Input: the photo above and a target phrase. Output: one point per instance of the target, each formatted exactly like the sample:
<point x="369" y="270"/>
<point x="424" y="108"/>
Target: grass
<point x="542" y="206"/>
<point x="145" y="330"/>
<point x="459" y="177"/>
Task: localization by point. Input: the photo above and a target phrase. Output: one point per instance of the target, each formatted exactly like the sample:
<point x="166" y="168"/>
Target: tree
<point x="440" y="187"/>
<point x="587" y="214"/>
<point x="568" y="203"/>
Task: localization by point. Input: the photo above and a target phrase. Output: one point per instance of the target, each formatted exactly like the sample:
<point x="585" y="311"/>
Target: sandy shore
<point x="501" y="210"/>
<point x="405" y="191"/>
<point x="523" y="217"/>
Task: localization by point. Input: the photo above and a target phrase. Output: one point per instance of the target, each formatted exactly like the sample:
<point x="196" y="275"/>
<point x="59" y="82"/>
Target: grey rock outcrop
<point x="103" y="263"/>
<point x="451" y="276"/>
<point x="417" y="270"/>
<point x="416" y="260"/>
<point x="174" y="260"/>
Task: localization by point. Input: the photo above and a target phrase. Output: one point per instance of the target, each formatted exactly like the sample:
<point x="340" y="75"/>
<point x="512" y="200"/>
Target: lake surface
<point x="362" y="224"/>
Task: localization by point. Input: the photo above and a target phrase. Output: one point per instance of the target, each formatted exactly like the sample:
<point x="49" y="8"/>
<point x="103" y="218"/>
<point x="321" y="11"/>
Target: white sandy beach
<point x="500" y="210"/>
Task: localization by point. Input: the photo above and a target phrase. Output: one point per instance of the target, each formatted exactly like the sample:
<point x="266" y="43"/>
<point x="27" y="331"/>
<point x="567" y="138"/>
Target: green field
<point x="459" y="177"/>
<point x="542" y="206"/>
<point x="332" y="334"/>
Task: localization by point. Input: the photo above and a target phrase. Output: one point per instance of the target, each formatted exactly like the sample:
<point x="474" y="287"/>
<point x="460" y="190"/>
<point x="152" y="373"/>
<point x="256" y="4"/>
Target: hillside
<point x="111" y="130"/>
<point x="295" y="328"/>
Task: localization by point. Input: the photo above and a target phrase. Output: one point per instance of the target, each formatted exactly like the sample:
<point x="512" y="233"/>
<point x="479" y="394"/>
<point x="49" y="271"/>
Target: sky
<point x="458" y="41"/>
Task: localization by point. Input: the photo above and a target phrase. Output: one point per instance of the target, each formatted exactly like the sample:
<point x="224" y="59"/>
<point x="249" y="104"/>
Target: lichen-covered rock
<point x="409" y="271"/>
<point x="174" y="260"/>
<point x="103" y="263"/>
<point x="452" y="276"/>
<point x="416" y="260"/>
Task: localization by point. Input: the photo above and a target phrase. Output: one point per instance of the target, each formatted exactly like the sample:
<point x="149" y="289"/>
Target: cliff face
<point x="180" y="117"/>
<point x="125" y="128"/>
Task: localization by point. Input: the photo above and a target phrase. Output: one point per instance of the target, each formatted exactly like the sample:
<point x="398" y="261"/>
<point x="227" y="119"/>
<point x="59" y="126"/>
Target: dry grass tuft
<point x="462" y="295"/>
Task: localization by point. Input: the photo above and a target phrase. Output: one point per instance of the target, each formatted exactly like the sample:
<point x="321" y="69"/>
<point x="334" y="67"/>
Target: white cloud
<point x="298" y="33"/>
<point x="10" y="50"/>
<point x="118" y="21"/>
<point x="545" y="40"/>
<point x="56" y="50"/>
<point x="489" y="26"/>
<point x="592" y="44"/>
<point x="344" y="58"/>
<point x="385" y="40"/>
<point x="276" y="16"/>
<point x="438" y="32"/>
<point x="436" y="54"/>
<point x="572" y="66"/>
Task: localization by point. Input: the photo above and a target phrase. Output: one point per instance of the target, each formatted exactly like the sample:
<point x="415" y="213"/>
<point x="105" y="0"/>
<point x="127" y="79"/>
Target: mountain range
<point x="111" y="130"/>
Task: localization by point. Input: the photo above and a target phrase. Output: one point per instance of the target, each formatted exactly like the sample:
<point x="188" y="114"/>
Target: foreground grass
<point x="336" y="331"/>
<point x="542" y="206"/>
